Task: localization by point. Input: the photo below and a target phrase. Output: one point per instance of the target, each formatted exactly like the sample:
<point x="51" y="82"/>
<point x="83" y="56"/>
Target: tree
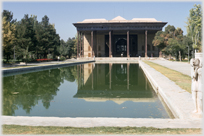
<point x="47" y="37"/>
<point x="25" y="37"/>
<point x="62" y="49"/>
<point x="194" y="26"/>
<point x="32" y="38"/>
<point x="71" y="47"/>
<point x="171" y="41"/>
<point x="8" y="33"/>
<point x="9" y="16"/>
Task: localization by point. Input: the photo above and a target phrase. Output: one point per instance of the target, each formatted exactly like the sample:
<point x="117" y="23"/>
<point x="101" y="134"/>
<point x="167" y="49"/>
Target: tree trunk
<point x="7" y="57"/>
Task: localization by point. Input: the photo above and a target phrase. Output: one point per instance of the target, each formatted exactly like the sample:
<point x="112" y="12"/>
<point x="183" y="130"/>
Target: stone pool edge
<point x="183" y="121"/>
<point x="13" y="70"/>
<point x="178" y="100"/>
<point x="99" y="122"/>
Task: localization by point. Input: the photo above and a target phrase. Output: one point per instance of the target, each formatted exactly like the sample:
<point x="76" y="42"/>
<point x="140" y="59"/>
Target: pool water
<point x="85" y="90"/>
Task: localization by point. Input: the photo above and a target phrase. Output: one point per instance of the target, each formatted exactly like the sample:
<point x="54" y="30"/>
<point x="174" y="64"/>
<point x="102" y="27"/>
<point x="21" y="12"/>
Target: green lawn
<point x="184" y="81"/>
<point x="16" y="129"/>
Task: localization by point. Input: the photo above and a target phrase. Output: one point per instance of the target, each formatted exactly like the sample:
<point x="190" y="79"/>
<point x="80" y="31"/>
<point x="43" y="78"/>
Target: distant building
<point x="117" y="37"/>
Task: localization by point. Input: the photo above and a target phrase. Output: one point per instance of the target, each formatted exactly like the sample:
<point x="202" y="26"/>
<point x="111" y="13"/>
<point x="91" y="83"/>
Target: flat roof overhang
<point x="119" y="26"/>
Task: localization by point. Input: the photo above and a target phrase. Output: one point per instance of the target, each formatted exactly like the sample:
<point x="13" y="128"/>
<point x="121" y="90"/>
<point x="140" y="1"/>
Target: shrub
<point x="62" y="58"/>
<point x="49" y="56"/>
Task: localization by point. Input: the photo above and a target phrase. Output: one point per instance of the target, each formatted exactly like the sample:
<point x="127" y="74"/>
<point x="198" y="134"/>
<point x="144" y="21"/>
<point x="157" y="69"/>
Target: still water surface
<point x="86" y="90"/>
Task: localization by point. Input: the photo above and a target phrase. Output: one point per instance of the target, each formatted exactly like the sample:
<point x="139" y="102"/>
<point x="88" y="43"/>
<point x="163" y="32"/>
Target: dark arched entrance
<point x="121" y="47"/>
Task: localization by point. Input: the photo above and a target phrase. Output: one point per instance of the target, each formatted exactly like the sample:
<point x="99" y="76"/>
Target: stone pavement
<point x="182" y="67"/>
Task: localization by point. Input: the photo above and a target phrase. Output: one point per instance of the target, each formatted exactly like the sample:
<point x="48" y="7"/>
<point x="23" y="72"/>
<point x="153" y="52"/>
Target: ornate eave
<point x="120" y="26"/>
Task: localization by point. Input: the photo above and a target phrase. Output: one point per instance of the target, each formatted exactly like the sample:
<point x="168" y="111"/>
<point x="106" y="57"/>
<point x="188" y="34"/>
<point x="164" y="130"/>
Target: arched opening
<point x="121" y="47"/>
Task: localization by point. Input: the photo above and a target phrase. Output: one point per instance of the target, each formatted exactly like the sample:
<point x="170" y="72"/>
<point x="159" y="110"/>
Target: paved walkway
<point x="182" y="67"/>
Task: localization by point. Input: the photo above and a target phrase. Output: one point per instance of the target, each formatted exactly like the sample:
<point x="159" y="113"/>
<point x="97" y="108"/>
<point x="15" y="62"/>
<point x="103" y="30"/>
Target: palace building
<point x="117" y="37"/>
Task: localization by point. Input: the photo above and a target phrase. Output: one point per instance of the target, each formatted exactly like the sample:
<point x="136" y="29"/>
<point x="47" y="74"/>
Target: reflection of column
<point x="82" y="75"/>
<point x="110" y="67"/>
<point x="145" y="83"/>
<point x="92" y="76"/>
<point x="78" y="75"/>
<point x="128" y="66"/>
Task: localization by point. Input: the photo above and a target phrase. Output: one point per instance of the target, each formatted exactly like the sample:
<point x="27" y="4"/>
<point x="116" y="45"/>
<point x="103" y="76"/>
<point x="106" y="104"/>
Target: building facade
<point x="117" y="37"/>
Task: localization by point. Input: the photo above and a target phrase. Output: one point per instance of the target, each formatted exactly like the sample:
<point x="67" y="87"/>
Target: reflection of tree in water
<point x="69" y="73"/>
<point x="27" y="89"/>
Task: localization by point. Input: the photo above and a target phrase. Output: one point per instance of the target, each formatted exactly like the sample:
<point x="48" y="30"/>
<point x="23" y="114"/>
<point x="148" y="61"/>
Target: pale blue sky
<point x="63" y="14"/>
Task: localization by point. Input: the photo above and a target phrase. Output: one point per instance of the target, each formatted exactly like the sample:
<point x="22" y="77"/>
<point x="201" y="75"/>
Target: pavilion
<point x="117" y="37"/>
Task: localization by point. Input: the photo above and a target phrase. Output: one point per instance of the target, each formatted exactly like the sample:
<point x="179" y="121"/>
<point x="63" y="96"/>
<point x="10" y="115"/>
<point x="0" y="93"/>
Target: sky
<point x="64" y="14"/>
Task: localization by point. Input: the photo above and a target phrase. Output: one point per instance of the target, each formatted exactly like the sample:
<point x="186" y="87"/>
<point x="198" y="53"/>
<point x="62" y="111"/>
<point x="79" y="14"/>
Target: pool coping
<point x="99" y="122"/>
<point x="43" y="67"/>
<point x="180" y="109"/>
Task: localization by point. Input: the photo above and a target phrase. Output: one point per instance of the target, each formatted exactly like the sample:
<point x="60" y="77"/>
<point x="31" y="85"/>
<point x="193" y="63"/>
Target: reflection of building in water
<point x="116" y="82"/>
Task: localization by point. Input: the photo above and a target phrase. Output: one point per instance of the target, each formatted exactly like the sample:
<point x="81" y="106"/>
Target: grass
<point x="180" y="61"/>
<point x="16" y="129"/>
<point x="184" y="81"/>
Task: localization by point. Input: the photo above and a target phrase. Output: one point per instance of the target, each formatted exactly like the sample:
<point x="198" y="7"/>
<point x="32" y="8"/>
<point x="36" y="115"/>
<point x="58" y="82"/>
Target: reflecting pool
<point x="86" y="90"/>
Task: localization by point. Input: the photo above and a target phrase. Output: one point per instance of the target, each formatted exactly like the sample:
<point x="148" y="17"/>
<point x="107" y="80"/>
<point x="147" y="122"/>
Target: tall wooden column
<point x="77" y="45"/>
<point x="92" y="54"/>
<point x="110" y="44"/>
<point x="146" y="43"/>
<point x="95" y="44"/>
<point x="128" y="54"/>
<point x="80" y="46"/>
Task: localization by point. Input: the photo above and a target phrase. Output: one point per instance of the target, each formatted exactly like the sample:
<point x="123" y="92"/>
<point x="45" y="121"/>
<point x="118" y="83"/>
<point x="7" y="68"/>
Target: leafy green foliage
<point x="25" y="37"/>
<point x="28" y="38"/>
<point x="62" y="58"/>
<point x="194" y="26"/>
<point x="8" y="33"/>
<point x="171" y="41"/>
<point x="71" y="47"/>
<point x="67" y="49"/>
